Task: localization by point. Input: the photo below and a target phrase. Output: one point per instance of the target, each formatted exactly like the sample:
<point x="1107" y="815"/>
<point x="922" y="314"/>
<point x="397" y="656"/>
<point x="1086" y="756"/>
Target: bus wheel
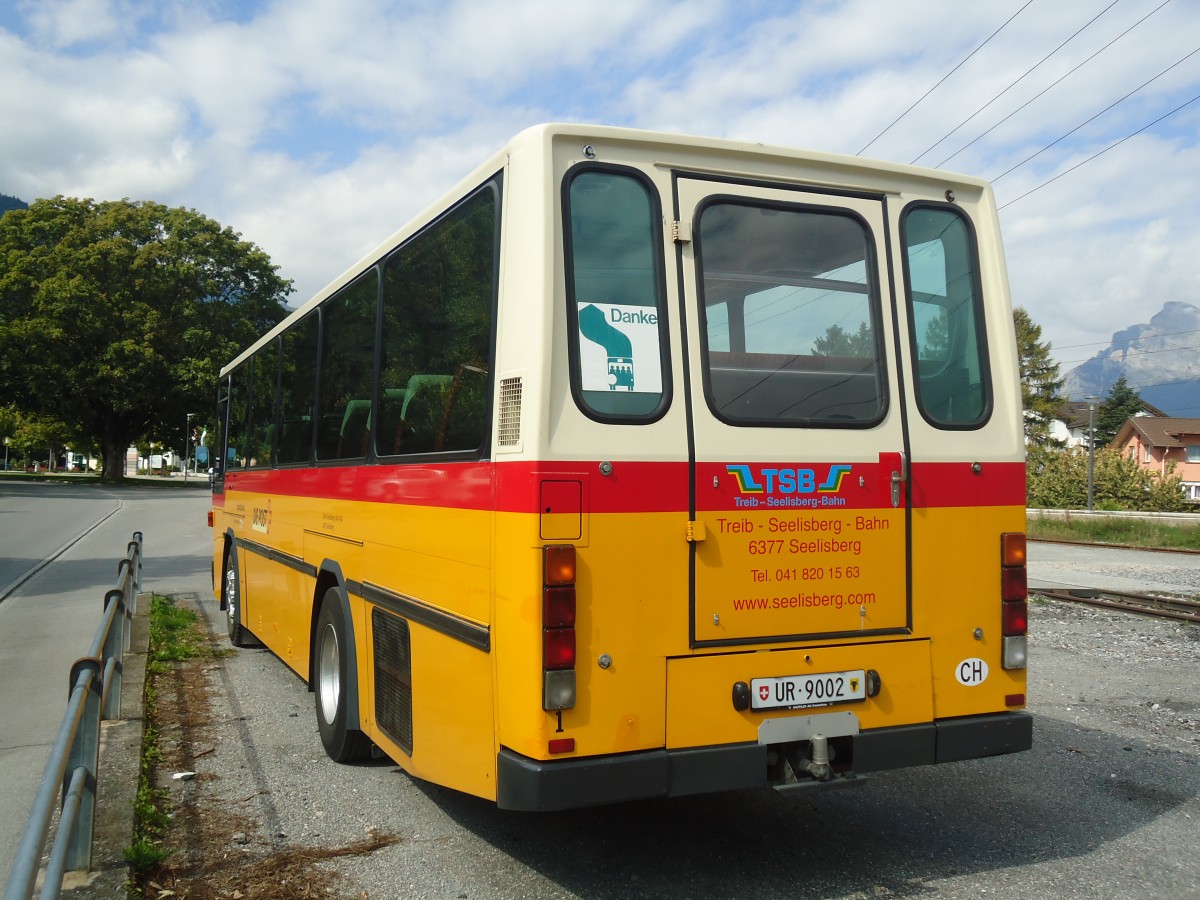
<point x="239" y="636"/>
<point x="330" y="684"/>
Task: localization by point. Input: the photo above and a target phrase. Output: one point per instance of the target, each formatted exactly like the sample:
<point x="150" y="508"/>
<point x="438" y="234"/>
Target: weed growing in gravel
<point x="175" y="635"/>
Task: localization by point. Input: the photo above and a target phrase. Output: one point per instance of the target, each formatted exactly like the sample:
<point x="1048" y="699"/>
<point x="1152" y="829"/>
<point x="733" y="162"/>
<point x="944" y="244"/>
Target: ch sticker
<point x="971" y="672"/>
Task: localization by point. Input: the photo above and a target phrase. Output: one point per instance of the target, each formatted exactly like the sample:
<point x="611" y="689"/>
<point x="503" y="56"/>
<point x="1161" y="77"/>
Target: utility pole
<point x="1091" y="402"/>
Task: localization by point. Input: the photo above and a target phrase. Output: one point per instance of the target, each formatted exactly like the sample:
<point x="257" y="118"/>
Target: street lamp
<point x="6" y="454"/>
<point x="1091" y="402"/>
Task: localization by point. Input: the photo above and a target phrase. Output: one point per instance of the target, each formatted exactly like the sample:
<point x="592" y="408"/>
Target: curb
<point x="119" y="768"/>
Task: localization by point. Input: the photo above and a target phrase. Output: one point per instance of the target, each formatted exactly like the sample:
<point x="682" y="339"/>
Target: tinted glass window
<point x="237" y="415"/>
<point x="941" y="280"/>
<point x="297" y="392"/>
<point x="614" y="280"/>
<point x="437" y="326"/>
<point x="790" y="316"/>
<point x="262" y="369"/>
<point x="347" y="370"/>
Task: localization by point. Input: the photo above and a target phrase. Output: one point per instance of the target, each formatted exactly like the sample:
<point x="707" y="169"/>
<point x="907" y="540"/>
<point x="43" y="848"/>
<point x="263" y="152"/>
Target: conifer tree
<point x="1119" y="404"/>
<point x="1040" y="380"/>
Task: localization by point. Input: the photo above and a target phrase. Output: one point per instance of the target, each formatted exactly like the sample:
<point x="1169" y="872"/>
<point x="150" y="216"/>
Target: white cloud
<point x="316" y="127"/>
<point x="66" y="23"/>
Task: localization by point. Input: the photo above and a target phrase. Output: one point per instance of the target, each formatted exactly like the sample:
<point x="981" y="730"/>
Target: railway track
<point x="1145" y="604"/>
<point x="1178" y="550"/>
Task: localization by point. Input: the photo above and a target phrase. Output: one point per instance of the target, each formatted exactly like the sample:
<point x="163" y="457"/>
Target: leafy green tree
<point x="1114" y="410"/>
<point x="116" y="316"/>
<point x="1059" y="481"/>
<point x="1040" y="380"/>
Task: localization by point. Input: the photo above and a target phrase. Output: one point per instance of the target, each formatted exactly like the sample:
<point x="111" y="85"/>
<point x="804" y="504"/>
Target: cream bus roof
<point x="718" y="156"/>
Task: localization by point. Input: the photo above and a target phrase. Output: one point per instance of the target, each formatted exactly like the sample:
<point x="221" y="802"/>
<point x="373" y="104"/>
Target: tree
<point x="1040" y="380"/>
<point x="116" y="316"/>
<point x="1059" y="481"/>
<point x="1114" y="410"/>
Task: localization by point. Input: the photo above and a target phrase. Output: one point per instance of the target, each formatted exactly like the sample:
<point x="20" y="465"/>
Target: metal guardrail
<point x="95" y="694"/>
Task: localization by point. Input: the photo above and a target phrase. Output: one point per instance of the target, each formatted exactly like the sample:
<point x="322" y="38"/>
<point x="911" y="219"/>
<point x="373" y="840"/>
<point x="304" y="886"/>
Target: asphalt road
<point x="1106" y="804"/>
<point x="59" y="547"/>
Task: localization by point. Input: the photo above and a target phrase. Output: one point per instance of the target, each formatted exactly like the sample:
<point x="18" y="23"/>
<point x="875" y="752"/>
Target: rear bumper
<point x="540" y="785"/>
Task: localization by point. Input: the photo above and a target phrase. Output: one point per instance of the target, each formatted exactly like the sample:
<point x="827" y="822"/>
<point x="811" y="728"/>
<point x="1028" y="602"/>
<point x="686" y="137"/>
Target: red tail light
<point x="558" y="648"/>
<point x="1013" y="584"/>
<point x="1014" y="618"/>
<point x="558" y="607"/>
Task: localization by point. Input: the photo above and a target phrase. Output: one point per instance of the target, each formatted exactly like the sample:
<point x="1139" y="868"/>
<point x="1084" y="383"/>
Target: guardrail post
<point x="127" y="589"/>
<point x="137" y="572"/>
<point x="85" y="754"/>
<point x="115" y="644"/>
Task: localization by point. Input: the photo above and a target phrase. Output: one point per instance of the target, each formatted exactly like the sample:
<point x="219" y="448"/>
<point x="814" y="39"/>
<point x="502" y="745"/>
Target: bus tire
<point x="231" y="600"/>
<point x="331" y="683"/>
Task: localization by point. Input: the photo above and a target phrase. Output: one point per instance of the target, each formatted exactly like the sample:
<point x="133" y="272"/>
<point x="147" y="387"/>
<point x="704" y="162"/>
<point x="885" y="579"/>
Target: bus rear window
<point x="944" y="314"/>
<point x="615" y="288"/>
<point x="790" y="316"/>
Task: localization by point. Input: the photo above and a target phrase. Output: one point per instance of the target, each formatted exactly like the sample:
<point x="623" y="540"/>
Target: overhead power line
<point x="1020" y="78"/>
<point x="1053" y="84"/>
<point x="1101" y="152"/>
<point x="1125" y="340"/>
<point x="1129" y="353"/>
<point x="1099" y="114"/>
<point x="942" y="79"/>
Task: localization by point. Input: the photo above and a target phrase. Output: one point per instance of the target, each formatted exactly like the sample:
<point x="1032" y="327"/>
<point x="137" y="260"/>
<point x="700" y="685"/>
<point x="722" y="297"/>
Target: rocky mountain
<point x="1159" y="359"/>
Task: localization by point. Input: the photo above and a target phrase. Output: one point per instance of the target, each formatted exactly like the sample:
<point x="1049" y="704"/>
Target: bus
<point x="643" y="465"/>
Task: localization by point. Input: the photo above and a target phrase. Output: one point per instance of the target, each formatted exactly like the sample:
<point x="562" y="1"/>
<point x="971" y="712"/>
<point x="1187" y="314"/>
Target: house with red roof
<point x="1156" y="442"/>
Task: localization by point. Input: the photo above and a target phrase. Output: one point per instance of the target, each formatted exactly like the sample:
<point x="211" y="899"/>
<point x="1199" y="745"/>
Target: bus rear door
<point x="796" y="425"/>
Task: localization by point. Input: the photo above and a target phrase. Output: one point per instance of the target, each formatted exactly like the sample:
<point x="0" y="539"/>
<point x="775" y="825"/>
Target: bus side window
<point x="944" y="313"/>
<point x="236" y="427"/>
<point x="297" y="392"/>
<point x="347" y="370"/>
<point x="436" y="337"/>
<point x="262" y="370"/>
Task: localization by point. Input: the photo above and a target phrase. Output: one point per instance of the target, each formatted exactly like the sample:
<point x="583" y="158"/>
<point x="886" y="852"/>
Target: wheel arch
<point x="230" y="544"/>
<point x="329" y="575"/>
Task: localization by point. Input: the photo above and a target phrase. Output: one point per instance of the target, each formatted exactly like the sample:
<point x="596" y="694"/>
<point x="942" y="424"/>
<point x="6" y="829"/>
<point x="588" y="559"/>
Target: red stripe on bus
<point x="631" y="487"/>
<point x="957" y="484"/>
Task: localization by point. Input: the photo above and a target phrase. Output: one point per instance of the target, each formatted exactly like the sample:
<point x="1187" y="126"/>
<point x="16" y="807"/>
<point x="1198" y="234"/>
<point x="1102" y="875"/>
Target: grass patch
<point x="1116" y="530"/>
<point x="176" y="635"/>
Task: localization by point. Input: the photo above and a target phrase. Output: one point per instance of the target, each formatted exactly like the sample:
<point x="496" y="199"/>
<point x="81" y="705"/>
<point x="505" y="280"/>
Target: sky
<point x="315" y="128"/>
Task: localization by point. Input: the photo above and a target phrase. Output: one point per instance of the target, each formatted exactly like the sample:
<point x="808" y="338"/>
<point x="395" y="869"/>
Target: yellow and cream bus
<point x="643" y="465"/>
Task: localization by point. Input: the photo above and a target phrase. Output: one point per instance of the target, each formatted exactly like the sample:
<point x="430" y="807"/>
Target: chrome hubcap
<point x="328" y="677"/>
<point x="230" y="594"/>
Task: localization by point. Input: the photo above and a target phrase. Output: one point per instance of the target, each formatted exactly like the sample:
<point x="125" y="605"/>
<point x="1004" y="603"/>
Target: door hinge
<point x="696" y="531"/>
<point x="681" y="232"/>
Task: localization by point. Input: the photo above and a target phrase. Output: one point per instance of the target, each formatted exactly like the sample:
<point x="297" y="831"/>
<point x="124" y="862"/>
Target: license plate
<point x="799" y="691"/>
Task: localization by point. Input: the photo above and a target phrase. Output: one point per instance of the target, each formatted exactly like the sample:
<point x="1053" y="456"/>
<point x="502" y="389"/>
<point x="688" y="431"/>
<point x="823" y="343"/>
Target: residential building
<point x="1070" y="426"/>
<point x="1156" y="442"/>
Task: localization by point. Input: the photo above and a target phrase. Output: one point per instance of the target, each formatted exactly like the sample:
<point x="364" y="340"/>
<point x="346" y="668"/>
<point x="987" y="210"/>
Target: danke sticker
<point x="619" y="348"/>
